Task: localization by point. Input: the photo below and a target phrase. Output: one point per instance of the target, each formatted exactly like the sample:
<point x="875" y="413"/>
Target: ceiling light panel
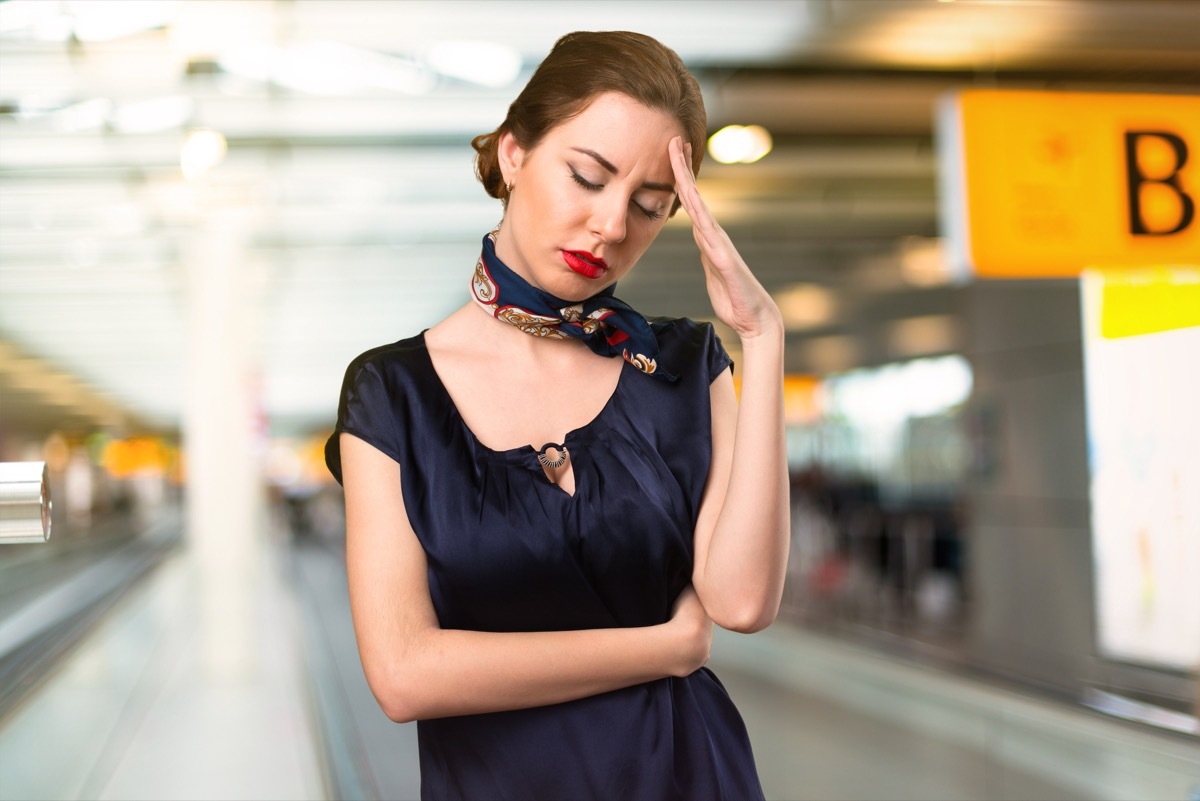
<point x="703" y="31"/>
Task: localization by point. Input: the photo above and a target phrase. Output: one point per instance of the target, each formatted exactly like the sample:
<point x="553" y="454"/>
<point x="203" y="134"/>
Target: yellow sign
<point x="1148" y="301"/>
<point x="1046" y="184"/>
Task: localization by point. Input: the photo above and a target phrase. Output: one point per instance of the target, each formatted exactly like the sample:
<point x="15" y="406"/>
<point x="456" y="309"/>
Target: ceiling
<point x="345" y="212"/>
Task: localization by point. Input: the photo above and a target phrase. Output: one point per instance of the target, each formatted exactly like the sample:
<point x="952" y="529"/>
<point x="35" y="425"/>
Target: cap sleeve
<point x="718" y="357"/>
<point x="366" y="410"/>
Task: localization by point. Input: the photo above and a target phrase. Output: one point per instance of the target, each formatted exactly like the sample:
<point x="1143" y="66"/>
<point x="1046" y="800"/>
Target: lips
<point x="585" y="263"/>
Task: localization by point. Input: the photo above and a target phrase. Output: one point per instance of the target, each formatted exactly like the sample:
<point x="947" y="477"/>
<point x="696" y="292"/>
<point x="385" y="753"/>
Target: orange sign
<point x="1047" y="184"/>
<point x="801" y="404"/>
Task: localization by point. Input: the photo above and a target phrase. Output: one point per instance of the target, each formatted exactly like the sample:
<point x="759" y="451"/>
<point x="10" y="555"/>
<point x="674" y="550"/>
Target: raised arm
<point x="742" y="534"/>
<point x="418" y="670"/>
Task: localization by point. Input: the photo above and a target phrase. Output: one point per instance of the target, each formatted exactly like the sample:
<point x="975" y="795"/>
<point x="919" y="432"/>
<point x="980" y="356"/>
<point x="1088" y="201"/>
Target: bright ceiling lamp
<point x="739" y="144"/>
<point x="920" y="336"/>
<point x="90" y="21"/>
<point x="105" y="20"/>
<point x="326" y="68"/>
<point x="202" y="150"/>
<point x="923" y="261"/>
<point x="483" y="63"/>
<point x="86" y="115"/>
<point x="806" y="306"/>
<point x="155" y="114"/>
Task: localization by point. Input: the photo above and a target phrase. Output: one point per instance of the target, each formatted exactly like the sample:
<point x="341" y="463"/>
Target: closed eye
<point x="586" y="184"/>
<point x="591" y="187"/>
<point x="650" y="215"/>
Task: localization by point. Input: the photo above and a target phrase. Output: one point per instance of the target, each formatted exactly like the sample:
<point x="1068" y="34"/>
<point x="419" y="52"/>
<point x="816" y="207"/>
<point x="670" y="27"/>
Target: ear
<point x="511" y="156"/>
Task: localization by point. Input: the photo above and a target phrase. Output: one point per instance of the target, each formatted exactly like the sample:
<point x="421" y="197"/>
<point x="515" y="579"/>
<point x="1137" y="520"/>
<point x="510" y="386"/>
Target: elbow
<point x="398" y="710"/>
<point x="396" y="696"/>
<point x="749" y="620"/>
<point x="744" y="612"/>
<point x="407" y="683"/>
<point x="396" y="714"/>
<point x="397" y="707"/>
<point x="747" y="616"/>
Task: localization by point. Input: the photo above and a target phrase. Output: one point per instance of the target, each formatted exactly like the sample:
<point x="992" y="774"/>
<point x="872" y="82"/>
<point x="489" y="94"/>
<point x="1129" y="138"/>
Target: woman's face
<point x="589" y="199"/>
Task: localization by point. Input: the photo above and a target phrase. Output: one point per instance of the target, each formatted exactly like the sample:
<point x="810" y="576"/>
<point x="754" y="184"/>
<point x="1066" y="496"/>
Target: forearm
<point x="454" y="672"/>
<point x="746" y="559"/>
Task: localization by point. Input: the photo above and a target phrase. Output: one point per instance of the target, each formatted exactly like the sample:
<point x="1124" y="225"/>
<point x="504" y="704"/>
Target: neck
<point x="504" y="335"/>
<point x="506" y="251"/>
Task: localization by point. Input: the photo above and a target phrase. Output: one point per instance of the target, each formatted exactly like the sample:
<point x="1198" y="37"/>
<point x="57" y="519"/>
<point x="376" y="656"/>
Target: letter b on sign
<point x="1156" y="178"/>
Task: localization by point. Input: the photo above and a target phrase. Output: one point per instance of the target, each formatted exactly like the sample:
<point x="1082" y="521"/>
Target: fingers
<point x="712" y="240"/>
<point x="685" y="185"/>
<point x="681" y="166"/>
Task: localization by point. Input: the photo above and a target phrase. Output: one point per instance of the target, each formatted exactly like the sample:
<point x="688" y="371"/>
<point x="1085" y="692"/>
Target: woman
<point x="545" y="612"/>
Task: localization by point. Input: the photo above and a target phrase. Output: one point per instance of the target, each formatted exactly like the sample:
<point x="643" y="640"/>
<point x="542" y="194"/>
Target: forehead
<point x="623" y="130"/>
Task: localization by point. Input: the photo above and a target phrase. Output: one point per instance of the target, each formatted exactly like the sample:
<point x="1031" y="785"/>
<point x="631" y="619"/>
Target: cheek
<point x="647" y="232"/>
<point x="549" y="205"/>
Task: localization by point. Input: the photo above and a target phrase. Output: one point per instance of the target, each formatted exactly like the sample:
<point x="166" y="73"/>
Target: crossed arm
<point x="418" y="670"/>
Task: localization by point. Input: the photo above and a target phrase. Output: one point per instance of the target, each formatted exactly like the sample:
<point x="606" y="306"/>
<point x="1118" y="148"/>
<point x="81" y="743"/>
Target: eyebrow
<point x="608" y="165"/>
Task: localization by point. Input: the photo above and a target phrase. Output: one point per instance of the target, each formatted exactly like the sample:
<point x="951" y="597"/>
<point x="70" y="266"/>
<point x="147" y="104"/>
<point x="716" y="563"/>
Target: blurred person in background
<point x="545" y="613"/>
<point x="79" y="488"/>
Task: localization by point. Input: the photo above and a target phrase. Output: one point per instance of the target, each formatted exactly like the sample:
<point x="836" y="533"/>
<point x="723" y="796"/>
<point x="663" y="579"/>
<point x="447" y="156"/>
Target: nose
<point x="609" y="217"/>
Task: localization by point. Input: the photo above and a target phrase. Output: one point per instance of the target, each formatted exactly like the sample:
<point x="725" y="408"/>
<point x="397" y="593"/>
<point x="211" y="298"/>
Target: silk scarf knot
<point x="606" y="324"/>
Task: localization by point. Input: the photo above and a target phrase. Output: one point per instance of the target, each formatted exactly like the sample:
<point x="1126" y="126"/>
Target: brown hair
<point x="582" y="66"/>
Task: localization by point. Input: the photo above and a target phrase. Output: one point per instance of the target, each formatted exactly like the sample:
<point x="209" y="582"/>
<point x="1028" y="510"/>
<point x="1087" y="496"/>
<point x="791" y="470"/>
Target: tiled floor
<point x="195" y="687"/>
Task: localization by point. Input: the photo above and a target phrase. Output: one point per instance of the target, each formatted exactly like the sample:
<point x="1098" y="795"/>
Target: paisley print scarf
<point x="607" y="325"/>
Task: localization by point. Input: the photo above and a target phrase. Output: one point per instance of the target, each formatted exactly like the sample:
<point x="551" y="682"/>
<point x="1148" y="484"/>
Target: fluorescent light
<point x="892" y="392"/>
<point x="202" y="150"/>
<point x="919" y="336"/>
<point x="105" y="20"/>
<point x="42" y="20"/>
<point x="923" y="261"/>
<point x="483" y="63"/>
<point x="327" y="68"/>
<point x="88" y="115"/>
<point x="157" y="114"/>
<point x="740" y="144"/>
<point x="806" y="306"/>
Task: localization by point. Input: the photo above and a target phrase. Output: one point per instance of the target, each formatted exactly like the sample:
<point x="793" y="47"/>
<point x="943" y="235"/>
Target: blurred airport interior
<point x="977" y="216"/>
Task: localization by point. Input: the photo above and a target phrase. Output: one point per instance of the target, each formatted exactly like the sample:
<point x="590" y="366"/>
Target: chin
<point x="574" y="288"/>
<point x="575" y="294"/>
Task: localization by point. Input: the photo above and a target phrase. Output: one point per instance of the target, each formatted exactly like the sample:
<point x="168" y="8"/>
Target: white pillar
<point x="221" y="440"/>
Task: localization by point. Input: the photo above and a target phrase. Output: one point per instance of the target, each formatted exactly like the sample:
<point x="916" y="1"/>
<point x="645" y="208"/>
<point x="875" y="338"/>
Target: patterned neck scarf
<point x="607" y="325"/>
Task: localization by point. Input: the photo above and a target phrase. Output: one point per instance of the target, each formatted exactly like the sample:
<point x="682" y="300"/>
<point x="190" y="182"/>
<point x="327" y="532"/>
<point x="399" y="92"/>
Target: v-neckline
<point x="527" y="450"/>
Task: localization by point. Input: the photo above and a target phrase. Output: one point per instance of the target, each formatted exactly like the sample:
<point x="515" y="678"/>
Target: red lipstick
<point x="585" y="263"/>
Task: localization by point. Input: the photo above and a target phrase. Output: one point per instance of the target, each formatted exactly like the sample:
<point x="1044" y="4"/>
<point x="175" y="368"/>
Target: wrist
<point x="767" y="327"/>
<point x="687" y="642"/>
<point x="766" y="343"/>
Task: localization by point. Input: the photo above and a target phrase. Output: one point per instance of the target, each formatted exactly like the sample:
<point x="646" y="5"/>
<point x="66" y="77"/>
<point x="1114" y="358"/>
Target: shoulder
<point x="390" y="368"/>
<point x="400" y="355"/>
<point x="376" y="398"/>
<point x="690" y="346"/>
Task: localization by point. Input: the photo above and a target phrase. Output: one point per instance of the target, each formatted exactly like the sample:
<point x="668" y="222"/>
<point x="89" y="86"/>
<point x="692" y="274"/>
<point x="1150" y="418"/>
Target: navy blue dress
<point x="510" y="551"/>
